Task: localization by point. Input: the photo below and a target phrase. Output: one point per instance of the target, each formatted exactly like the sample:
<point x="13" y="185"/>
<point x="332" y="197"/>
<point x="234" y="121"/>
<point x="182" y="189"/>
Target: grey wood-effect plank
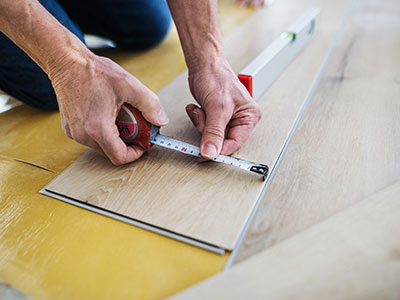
<point x="347" y="146"/>
<point x="352" y="255"/>
<point x="208" y="202"/>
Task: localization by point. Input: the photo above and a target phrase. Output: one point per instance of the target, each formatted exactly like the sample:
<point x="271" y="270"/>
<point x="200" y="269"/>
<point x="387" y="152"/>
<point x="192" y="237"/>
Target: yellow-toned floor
<point x="53" y="250"/>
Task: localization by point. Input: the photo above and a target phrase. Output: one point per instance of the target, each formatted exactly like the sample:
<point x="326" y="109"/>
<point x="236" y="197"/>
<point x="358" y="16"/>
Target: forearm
<point x="32" y="28"/>
<point x="198" y="29"/>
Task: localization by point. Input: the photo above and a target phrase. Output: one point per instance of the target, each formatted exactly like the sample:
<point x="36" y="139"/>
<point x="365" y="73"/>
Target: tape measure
<point x="135" y="130"/>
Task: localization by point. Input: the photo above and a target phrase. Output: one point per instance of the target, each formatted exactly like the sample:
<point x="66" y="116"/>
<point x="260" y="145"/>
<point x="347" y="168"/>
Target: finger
<point x="197" y="116"/>
<point x="142" y="98"/>
<point x="107" y="137"/>
<point x="118" y="152"/>
<point x="235" y="138"/>
<point x="214" y="130"/>
<point x="240" y="128"/>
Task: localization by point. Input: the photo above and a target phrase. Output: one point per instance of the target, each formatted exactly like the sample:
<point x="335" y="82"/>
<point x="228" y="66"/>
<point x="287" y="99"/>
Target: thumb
<point x="148" y="103"/>
<point x="214" y="133"/>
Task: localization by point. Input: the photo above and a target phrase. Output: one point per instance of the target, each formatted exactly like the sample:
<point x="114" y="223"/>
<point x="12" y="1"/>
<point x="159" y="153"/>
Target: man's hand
<point x="90" y="93"/>
<point x="90" y="89"/>
<point x="227" y="114"/>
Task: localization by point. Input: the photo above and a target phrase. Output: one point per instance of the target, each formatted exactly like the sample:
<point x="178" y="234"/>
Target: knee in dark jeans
<point x="46" y="101"/>
<point x="35" y="91"/>
<point x="146" y="31"/>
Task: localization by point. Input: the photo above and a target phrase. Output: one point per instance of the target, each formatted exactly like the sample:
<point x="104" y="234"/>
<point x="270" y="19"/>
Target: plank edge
<point x="142" y="225"/>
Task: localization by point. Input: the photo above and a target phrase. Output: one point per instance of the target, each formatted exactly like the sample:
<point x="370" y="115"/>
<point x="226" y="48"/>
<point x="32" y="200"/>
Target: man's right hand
<point x="90" y="89"/>
<point x="90" y="92"/>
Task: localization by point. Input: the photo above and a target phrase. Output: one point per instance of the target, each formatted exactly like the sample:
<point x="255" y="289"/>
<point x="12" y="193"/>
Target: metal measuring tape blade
<point x="135" y="130"/>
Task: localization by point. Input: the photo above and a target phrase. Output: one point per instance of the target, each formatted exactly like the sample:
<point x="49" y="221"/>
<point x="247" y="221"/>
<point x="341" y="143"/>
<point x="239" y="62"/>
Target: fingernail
<point x="162" y="117"/>
<point x="210" y="151"/>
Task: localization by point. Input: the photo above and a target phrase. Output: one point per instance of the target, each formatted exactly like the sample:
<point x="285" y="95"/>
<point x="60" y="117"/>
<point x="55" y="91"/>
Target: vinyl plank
<point x="352" y="255"/>
<point x="209" y="202"/>
<point x="347" y="145"/>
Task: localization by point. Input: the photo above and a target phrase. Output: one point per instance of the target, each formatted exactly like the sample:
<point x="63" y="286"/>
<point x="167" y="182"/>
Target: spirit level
<point x="258" y="76"/>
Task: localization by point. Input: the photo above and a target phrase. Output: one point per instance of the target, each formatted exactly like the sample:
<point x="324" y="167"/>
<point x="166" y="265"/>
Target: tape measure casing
<point x="133" y="128"/>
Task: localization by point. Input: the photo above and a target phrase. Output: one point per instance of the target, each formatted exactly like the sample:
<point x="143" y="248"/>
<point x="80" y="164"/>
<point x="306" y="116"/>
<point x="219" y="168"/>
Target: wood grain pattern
<point x="352" y="255"/>
<point x="347" y="145"/>
<point x="209" y="202"/>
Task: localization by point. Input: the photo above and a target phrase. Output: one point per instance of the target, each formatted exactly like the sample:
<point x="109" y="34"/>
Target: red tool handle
<point x="247" y="81"/>
<point x="133" y="128"/>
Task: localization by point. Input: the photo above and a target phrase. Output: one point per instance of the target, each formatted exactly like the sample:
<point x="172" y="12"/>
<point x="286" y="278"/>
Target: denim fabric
<point x="131" y="24"/>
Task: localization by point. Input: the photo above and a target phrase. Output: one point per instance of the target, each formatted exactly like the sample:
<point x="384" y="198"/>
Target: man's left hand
<point x="227" y="113"/>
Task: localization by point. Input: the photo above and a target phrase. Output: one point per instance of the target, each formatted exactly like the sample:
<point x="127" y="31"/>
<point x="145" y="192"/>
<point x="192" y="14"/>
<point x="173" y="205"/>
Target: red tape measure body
<point x="133" y="128"/>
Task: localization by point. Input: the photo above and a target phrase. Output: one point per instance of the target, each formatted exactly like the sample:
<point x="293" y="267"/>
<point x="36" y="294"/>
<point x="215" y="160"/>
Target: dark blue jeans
<point x="131" y="24"/>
